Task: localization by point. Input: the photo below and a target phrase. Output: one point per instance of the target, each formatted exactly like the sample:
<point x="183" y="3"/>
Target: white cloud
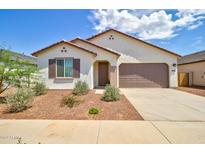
<point x="187" y="12"/>
<point x="195" y="25"/>
<point x="140" y="12"/>
<point x="148" y="24"/>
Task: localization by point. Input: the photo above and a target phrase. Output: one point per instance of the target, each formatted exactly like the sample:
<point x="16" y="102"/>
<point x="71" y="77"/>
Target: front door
<point x="103" y="73"/>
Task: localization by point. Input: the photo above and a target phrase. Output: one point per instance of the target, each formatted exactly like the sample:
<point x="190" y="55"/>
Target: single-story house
<point x="110" y="57"/>
<point x="191" y="69"/>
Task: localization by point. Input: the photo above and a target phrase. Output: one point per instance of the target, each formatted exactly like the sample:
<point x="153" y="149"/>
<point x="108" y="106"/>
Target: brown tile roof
<point x="192" y="58"/>
<point x="69" y="43"/>
<point x="130" y="36"/>
<point x="98" y="46"/>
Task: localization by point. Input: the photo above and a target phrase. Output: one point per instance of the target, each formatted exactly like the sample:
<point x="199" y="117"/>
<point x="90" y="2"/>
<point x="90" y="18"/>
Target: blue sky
<point x="26" y="31"/>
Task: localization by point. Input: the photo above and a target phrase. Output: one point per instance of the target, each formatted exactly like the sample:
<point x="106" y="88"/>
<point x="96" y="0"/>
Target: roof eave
<point x="191" y="62"/>
<point x="98" y="46"/>
<point x="69" y="43"/>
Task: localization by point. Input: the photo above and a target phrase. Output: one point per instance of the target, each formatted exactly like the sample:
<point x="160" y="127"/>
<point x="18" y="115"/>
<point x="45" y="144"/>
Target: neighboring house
<point x="15" y="55"/>
<point x="192" y="68"/>
<point x="108" y="57"/>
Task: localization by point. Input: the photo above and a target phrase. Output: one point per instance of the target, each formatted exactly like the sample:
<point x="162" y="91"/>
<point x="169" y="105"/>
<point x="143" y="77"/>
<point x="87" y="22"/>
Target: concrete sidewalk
<point x="92" y="132"/>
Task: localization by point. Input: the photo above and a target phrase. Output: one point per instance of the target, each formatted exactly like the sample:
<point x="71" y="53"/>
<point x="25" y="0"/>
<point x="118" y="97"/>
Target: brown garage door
<point x="143" y="75"/>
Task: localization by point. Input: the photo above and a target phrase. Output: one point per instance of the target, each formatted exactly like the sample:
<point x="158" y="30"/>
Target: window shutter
<point x="76" y="68"/>
<point x="52" y="68"/>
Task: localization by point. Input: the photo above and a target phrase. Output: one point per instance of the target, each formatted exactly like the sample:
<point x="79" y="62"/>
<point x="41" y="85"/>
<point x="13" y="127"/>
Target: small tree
<point x="14" y="71"/>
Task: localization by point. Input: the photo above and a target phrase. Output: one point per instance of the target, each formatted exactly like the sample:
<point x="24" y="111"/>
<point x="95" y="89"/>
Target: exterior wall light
<point x="174" y="65"/>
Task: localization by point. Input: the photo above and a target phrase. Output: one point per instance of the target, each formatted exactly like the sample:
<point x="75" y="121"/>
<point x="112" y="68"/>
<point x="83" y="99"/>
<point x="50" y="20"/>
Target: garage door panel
<point x="143" y="75"/>
<point x="138" y="83"/>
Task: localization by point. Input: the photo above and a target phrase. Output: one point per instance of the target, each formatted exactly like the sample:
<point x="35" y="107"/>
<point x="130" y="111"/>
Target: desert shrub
<point x="111" y="94"/>
<point x="81" y="88"/>
<point x="40" y="88"/>
<point x="2" y="100"/>
<point x="70" y="101"/>
<point x="93" y="111"/>
<point x="20" y="100"/>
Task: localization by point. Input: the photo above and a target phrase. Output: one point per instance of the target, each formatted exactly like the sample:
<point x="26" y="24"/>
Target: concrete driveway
<point x="159" y="104"/>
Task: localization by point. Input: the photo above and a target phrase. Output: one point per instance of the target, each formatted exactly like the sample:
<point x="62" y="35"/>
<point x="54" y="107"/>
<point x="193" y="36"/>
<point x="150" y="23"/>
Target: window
<point x="65" y="67"/>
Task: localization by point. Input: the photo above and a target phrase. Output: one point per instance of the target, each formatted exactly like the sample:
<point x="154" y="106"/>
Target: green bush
<point x="81" y="88"/>
<point x="93" y="111"/>
<point x="111" y="94"/>
<point x="40" y="88"/>
<point x="20" y="100"/>
<point x="70" y="101"/>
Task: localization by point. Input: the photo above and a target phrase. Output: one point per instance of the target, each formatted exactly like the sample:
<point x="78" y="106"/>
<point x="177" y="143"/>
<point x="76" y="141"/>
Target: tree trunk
<point x="1" y="88"/>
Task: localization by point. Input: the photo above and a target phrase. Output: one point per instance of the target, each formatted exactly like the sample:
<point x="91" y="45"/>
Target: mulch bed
<point x="198" y="90"/>
<point x="49" y="107"/>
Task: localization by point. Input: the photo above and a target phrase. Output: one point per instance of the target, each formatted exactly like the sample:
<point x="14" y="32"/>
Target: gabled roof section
<point x="192" y="58"/>
<point x="130" y="36"/>
<point x="63" y="41"/>
<point x="98" y="46"/>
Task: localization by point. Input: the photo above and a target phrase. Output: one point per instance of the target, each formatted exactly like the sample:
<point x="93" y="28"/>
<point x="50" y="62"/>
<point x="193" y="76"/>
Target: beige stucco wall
<point x="113" y="75"/>
<point x="133" y="51"/>
<point x="95" y="76"/>
<point x="198" y="69"/>
<point x="86" y="66"/>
